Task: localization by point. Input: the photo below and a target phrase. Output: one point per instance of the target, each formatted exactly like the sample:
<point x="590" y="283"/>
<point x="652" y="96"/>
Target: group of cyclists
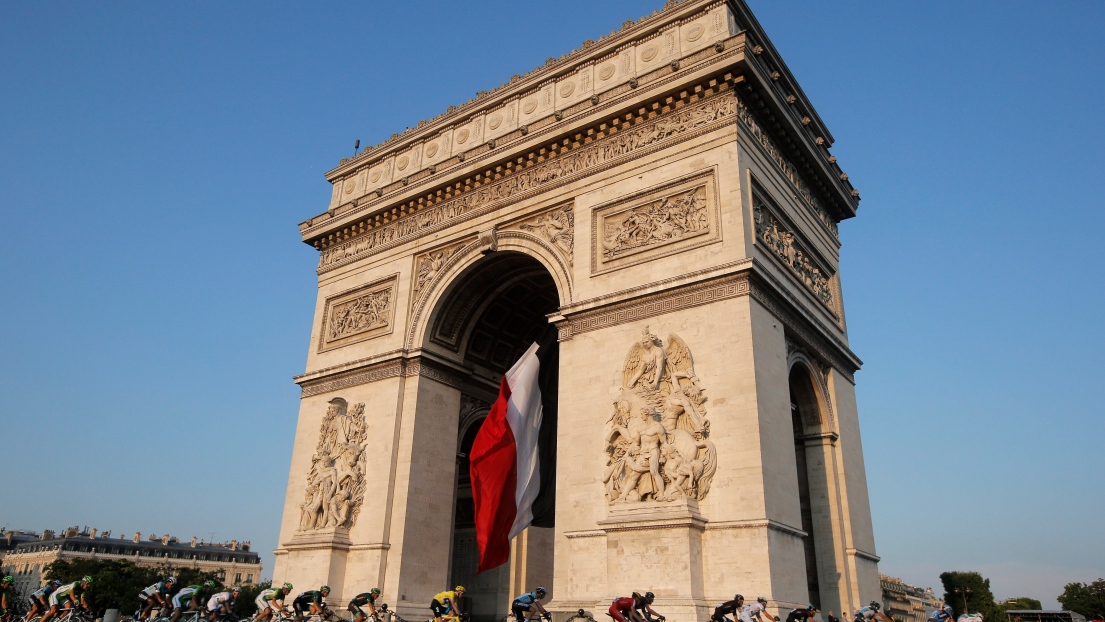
<point x="56" y="599"/>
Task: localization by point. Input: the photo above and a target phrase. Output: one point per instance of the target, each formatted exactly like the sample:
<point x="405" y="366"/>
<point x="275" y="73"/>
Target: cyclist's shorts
<point x="301" y="605"/>
<point x="617" y="614"/>
<point x="54" y="599"/>
<point x="520" y="611"/>
<point x="183" y="596"/>
<point x="355" y="610"/>
<point x="438" y="609"/>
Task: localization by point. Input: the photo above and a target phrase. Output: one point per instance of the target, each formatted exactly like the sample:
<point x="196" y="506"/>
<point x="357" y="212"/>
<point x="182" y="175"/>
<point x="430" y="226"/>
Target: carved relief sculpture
<point x="362" y="313"/>
<point x="657" y="443"/>
<point x="670" y="218"/>
<point x="428" y="265"/>
<point x="557" y="227"/>
<point x="785" y="245"/>
<point x="336" y="481"/>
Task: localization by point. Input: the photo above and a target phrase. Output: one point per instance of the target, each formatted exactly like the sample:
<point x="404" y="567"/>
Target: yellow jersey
<point x="443" y="596"/>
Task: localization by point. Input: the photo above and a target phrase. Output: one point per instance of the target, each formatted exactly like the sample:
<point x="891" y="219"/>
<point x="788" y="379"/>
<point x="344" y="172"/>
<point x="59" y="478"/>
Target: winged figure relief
<point x="336" y="480"/>
<point x="657" y="443"/>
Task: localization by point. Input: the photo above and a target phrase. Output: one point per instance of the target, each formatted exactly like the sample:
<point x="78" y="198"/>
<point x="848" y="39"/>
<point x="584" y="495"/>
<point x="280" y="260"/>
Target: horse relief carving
<point x="657" y="440"/>
<point x="336" y="481"/>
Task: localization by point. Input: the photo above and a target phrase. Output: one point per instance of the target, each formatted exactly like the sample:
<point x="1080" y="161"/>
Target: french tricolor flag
<point x="505" y="459"/>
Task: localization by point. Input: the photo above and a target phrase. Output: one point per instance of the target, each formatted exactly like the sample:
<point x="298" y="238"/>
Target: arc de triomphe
<point x="665" y="200"/>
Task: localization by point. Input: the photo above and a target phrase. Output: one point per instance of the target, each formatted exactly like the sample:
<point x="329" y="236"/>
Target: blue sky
<point x="156" y="157"/>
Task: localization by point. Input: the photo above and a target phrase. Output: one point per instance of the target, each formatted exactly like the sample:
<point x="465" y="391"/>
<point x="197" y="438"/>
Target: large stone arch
<point x="426" y="306"/>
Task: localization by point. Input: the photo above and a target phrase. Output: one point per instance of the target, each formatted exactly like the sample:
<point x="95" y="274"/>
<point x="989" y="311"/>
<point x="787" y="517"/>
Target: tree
<point x="116" y="583"/>
<point x="1021" y="603"/>
<point x="979" y="600"/>
<point x="1087" y="599"/>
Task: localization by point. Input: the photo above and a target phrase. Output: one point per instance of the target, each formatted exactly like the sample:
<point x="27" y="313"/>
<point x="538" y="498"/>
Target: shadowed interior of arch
<point x="485" y="321"/>
<point x="806" y="419"/>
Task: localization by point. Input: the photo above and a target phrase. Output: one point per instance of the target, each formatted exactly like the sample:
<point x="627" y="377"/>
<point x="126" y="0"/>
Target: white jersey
<point x="750" y="613"/>
<point x="217" y="600"/>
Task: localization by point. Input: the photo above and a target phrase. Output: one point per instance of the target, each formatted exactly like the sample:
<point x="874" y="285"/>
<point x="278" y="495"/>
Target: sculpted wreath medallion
<point x="657" y="443"/>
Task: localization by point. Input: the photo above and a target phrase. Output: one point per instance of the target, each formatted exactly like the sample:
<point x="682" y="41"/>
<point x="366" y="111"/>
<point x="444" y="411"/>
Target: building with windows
<point x="906" y="603"/>
<point x="25" y="554"/>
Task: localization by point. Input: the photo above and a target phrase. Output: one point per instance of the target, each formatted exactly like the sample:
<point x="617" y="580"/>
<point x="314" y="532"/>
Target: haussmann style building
<point x="664" y="199"/>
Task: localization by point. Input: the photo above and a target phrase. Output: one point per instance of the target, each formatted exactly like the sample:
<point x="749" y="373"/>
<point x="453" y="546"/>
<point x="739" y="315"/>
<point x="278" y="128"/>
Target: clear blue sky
<point x="156" y="157"/>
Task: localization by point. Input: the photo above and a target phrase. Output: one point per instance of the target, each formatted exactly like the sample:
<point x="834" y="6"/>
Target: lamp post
<point x="965" y="591"/>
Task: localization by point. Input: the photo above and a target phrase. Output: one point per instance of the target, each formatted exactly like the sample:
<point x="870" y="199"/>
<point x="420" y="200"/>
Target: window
<point x="238" y="578"/>
<point x="249" y="578"/>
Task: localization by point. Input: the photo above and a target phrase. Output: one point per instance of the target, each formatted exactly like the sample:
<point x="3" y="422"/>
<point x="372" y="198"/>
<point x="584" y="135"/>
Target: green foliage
<point x="1087" y="599"/>
<point x="980" y="600"/>
<point x="244" y="606"/>
<point x="116" y="583"/>
<point x="1021" y="603"/>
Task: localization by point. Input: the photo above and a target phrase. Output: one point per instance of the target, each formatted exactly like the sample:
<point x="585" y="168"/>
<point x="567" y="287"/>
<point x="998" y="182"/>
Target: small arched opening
<point x="806" y="419"/>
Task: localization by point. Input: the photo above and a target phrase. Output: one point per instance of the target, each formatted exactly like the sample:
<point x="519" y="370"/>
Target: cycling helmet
<point x="288" y="586"/>
<point x="324" y="589"/>
<point x="649" y="596"/>
<point x="738" y="597"/>
<point x="376" y="591"/>
<point x="208" y="584"/>
<point x="762" y="600"/>
<point x="459" y="588"/>
<point x="811" y="608"/>
<point x="56" y="583"/>
<point x="87" y="579"/>
<point x="949" y="609"/>
<point x="542" y="591"/>
<point x="235" y="590"/>
<point x="8" y="579"/>
<point x="171" y="580"/>
<point x="875" y="605"/>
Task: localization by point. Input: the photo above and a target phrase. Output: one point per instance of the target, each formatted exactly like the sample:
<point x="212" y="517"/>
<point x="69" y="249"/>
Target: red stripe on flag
<point x="494" y="472"/>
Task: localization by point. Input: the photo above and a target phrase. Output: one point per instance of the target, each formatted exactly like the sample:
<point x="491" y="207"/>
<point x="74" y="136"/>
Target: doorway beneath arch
<point x="812" y="485"/>
<point x="485" y="321"/>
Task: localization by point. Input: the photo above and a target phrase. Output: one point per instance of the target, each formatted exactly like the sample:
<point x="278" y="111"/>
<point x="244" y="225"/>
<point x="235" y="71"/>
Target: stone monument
<point x="664" y="199"/>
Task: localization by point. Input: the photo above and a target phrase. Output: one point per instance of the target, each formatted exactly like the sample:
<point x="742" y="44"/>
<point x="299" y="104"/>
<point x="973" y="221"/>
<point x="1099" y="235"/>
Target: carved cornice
<point x="864" y="555"/>
<point x="651" y="305"/>
<point x="652" y="127"/>
<point x="394" y="368"/>
<point x="758" y="523"/>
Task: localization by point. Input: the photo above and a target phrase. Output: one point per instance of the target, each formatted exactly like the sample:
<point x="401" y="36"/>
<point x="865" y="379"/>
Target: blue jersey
<point x="940" y="615"/>
<point x="527" y="599"/>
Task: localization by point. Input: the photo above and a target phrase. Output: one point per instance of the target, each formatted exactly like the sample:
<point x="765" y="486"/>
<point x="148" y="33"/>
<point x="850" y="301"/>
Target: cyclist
<point x="755" y="611"/>
<point x="222" y="604"/>
<point x="529" y="604"/>
<point x="7" y="594"/>
<point x="310" y="602"/>
<point x="38" y="599"/>
<point x="360" y="600"/>
<point x="68" y="596"/>
<point x="727" y="608"/>
<point x="270" y="601"/>
<point x="189" y="598"/>
<point x="630" y="608"/>
<point x="801" y="614"/>
<point x="869" y="613"/>
<point x="944" y="614"/>
<point x="446" y="602"/>
<point x="156" y="595"/>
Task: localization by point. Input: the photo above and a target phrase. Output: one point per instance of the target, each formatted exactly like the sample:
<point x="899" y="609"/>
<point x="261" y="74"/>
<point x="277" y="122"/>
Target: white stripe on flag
<point x="523" y="415"/>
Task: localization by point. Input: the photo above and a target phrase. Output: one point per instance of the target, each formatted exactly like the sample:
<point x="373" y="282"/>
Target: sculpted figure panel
<point x="669" y="218"/>
<point x="657" y="440"/>
<point x="359" y="314"/>
<point x="336" y="481"/>
<point x="789" y="249"/>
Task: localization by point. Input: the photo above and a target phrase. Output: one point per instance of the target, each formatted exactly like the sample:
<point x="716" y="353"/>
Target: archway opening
<point x="806" y="419"/>
<point x="488" y="317"/>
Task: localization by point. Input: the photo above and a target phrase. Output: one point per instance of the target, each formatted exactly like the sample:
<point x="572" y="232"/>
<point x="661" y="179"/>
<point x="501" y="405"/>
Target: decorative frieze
<point x="362" y="313"/>
<point x="788" y="247"/>
<point x="561" y="163"/>
<point x="672" y="218"/>
<point x="788" y="169"/>
<point x="430" y="264"/>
